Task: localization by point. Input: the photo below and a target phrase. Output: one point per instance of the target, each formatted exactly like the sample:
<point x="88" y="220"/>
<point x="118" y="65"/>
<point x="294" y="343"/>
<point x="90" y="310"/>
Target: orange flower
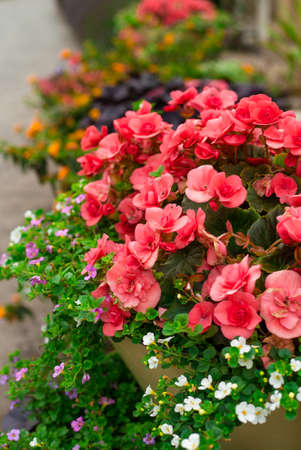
<point x="31" y="79"/>
<point x="96" y="92"/>
<point x="62" y="173"/>
<point x="2" y="312"/>
<point x="248" y="68"/>
<point x="34" y="128"/>
<point x="119" y="67"/>
<point x="168" y="39"/>
<point x="71" y="145"/>
<point x="94" y="113"/>
<point x="54" y="148"/>
<point x="81" y="100"/>
<point x="65" y="53"/>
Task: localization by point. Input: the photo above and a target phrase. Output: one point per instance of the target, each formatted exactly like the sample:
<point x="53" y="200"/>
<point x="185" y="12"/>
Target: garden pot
<point x="277" y="434"/>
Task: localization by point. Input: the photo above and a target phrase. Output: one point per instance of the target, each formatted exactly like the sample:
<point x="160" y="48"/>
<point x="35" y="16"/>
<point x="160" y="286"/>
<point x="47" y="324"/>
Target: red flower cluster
<point x="162" y="187"/>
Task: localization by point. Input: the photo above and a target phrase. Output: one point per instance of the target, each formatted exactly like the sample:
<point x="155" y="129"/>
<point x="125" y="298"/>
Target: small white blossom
<point x="50" y="231"/>
<point x="260" y="415"/>
<point x="295" y="365"/>
<point x="276" y="380"/>
<point x="78" y="302"/>
<point x="29" y="215"/>
<point x="298" y="396"/>
<point x="248" y="363"/>
<point x="205" y="383"/>
<point x="168" y="339"/>
<point x="241" y="344"/>
<point x="175" y="442"/>
<point x="148" y="391"/>
<point x="179" y="408"/>
<point x="246" y="412"/>
<point x="154" y="411"/>
<point x="15" y="235"/>
<point x="192" y="443"/>
<point x="43" y="327"/>
<point x="46" y="340"/>
<point x="181" y="381"/>
<point x="192" y="403"/>
<point x="223" y="390"/>
<point x="153" y="362"/>
<point x="34" y="442"/>
<point x="166" y="429"/>
<point x="148" y="339"/>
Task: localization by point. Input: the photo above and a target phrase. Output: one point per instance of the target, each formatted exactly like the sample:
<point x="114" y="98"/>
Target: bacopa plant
<point x="185" y="240"/>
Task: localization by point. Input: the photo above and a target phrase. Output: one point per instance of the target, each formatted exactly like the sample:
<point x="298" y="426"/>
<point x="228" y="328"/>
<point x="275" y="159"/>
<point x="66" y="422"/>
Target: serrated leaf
<point x="281" y="259"/>
<point x="263" y="231"/>
<point x="261" y="204"/>
<point x="184" y="262"/>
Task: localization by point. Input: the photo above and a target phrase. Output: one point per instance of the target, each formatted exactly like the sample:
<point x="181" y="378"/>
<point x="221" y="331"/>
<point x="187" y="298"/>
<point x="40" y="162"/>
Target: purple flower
<point x="149" y="440"/>
<point x="13" y="404"/>
<point x="37" y="261"/>
<point x="3" y="259"/>
<point x="49" y="248"/>
<point x="13" y="435"/>
<point x="106" y="401"/>
<point x="95" y="428"/>
<point x="53" y="385"/>
<point x="85" y="378"/>
<point x="72" y="394"/>
<point x="98" y="313"/>
<point x="19" y="374"/>
<point x="36" y="222"/>
<point x="80" y="198"/>
<point x="67" y="209"/>
<point x="76" y="447"/>
<point x="62" y="233"/>
<point x="31" y="250"/>
<point x="36" y="279"/>
<point x="58" y="370"/>
<point x="55" y="308"/>
<point x="92" y="272"/>
<point x="3" y="379"/>
<point x="73" y="243"/>
<point x="77" y="424"/>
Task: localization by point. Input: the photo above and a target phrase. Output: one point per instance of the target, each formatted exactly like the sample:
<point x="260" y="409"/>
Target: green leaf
<point x="176" y="308"/>
<point x="184" y="262"/>
<point x="281" y="259"/>
<point x="209" y="353"/>
<point x="242" y="219"/>
<point x="168" y="329"/>
<point x="180" y="321"/>
<point x="158" y="172"/>
<point x="261" y="204"/>
<point x="151" y="313"/>
<point x="263" y="231"/>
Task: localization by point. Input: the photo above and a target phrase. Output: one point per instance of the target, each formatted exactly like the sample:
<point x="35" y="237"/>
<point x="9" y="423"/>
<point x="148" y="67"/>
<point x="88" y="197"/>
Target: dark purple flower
<point x="90" y="270"/>
<point x="72" y="394"/>
<point x="77" y="424"/>
<point x="13" y="435"/>
<point x="31" y="250"/>
<point x="36" y="261"/>
<point x="149" y="440"/>
<point x="98" y="313"/>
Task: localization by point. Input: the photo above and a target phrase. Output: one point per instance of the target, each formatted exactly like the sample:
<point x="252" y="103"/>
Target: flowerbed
<point x="186" y="240"/>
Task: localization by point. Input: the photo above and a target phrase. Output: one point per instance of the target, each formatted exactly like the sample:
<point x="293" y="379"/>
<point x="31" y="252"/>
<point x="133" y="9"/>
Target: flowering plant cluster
<point x="187" y="240"/>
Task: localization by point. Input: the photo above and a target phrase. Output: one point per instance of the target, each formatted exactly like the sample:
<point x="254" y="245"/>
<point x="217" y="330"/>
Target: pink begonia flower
<point x="217" y="127"/>
<point x="289" y="225"/>
<point x="233" y="278"/>
<point x="205" y="151"/>
<point x="127" y="207"/>
<point x="92" y="210"/>
<point x="104" y="247"/>
<point x="281" y="304"/>
<point x="237" y="316"/>
<point x="134" y="287"/>
<point x="229" y="190"/>
<point x="258" y="110"/>
<point x="186" y="234"/>
<point x="146" y="126"/>
<point x="167" y="219"/>
<point x="90" y="165"/>
<point x="263" y="187"/>
<point x="294" y="200"/>
<point x="154" y="192"/>
<point x="90" y="139"/>
<point x="113" y="317"/>
<point x="212" y="98"/>
<point x="198" y="182"/>
<point x="292" y="136"/>
<point x="179" y="98"/>
<point x="201" y="314"/>
<point x="101" y="291"/>
<point x="145" y="248"/>
<point x="284" y="187"/>
<point x="100" y="188"/>
<point x="141" y="174"/>
<point x="109" y="147"/>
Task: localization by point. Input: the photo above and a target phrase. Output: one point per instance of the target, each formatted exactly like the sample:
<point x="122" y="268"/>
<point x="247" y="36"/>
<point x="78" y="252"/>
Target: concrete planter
<point x="277" y="434"/>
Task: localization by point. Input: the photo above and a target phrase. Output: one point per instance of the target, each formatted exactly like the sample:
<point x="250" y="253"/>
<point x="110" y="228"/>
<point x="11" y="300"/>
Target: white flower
<point x="241" y="344"/>
<point x="46" y="340"/>
<point x="246" y="412"/>
<point x="260" y="415"/>
<point x="206" y="383"/>
<point x="192" y="403"/>
<point x="43" y="327"/>
<point x="295" y="365"/>
<point x="276" y="380"/>
<point x="78" y="302"/>
<point x="15" y="235"/>
<point x="179" y="408"/>
<point x="298" y="396"/>
<point x="168" y="339"/>
<point x="181" y="381"/>
<point x="166" y="429"/>
<point x="153" y="362"/>
<point x="148" y="391"/>
<point x="50" y="231"/>
<point x="248" y="363"/>
<point x="175" y="442"/>
<point x="192" y="443"/>
<point x="148" y="339"/>
<point x="29" y="215"/>
<point x="154" y="411"/>
<point x="34" y="442"/>
<point x="223" y="390"/>
<point x="275" y="401"/>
